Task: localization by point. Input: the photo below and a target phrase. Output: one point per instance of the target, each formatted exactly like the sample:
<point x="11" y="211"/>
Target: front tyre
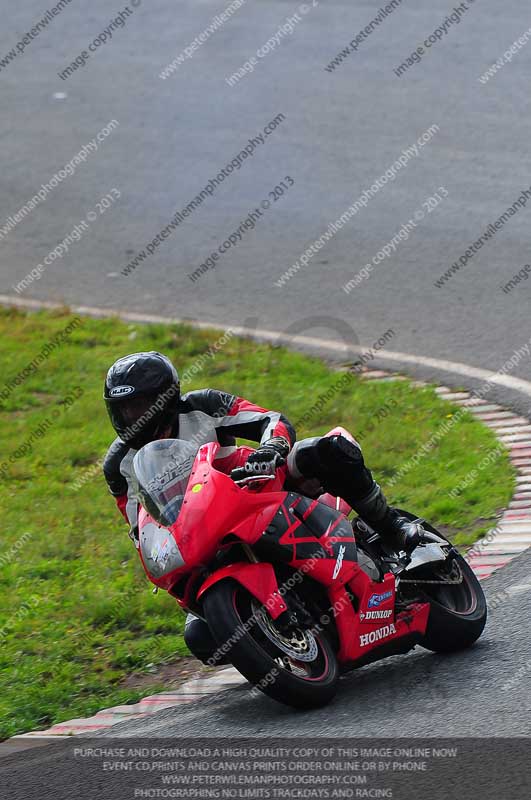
<point x="458" y="609"/>
<point x="296" y="667"/>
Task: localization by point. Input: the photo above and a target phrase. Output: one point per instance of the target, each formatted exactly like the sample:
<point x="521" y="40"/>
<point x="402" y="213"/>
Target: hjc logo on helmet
<point x="121" y="391"/>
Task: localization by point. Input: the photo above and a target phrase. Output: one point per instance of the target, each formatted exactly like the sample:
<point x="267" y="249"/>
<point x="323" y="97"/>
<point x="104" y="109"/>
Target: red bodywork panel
<point x="375" y="622"/>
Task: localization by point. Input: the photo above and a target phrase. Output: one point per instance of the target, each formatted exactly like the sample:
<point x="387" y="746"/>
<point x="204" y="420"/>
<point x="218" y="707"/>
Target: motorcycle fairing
<point x="290" y="521"/>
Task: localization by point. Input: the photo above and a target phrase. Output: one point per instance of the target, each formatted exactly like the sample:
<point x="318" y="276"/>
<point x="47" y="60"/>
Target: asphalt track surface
<point x="341" y="130"/>
<point x="482" y="692"/>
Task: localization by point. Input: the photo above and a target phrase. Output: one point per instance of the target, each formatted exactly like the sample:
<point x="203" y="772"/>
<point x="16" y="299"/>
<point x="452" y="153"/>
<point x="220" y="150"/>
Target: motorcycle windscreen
<point x="161" y="471"/>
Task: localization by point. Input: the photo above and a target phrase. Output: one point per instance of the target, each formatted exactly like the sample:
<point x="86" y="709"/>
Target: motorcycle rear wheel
<point x="231" y="613"/>
<point x="458" y="611"/>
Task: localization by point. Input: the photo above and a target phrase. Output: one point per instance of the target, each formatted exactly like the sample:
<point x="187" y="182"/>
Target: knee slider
<point x="344" y="470"/>
<point x="198" y="638"/>
<point x="336" y="450"/>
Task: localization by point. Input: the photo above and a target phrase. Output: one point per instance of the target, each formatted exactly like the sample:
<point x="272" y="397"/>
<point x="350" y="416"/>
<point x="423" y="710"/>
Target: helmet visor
<point x="135" y="419"/>
<point x="137" y="410"/>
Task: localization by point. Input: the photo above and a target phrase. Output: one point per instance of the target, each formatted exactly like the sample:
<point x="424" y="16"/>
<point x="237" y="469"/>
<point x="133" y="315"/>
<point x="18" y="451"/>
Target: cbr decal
<point x="339" y="561"/>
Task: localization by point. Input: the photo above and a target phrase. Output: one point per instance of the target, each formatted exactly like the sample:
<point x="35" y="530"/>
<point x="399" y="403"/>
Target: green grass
<point x="77" y="613"/>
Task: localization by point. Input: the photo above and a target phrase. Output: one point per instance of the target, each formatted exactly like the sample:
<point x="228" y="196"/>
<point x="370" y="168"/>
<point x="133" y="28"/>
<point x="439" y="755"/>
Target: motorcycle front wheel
<point x="296" y="667"/>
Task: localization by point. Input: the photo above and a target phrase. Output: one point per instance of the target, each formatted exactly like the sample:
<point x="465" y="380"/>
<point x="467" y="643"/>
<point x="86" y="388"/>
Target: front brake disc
<point x="297" y="644"/>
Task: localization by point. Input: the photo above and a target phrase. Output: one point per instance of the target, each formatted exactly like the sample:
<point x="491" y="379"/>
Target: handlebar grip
<point x="238" y="474"/>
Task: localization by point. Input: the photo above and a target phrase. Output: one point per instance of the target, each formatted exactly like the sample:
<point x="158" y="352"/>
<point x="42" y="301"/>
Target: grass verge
<point x="77" y="614"/>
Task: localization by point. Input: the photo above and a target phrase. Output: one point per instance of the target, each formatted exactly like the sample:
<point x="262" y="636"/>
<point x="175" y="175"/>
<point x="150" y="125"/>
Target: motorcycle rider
<point x="144" y="402"/>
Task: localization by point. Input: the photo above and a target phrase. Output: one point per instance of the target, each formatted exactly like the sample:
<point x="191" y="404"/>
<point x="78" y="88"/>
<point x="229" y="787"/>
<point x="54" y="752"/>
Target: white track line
<point x="456" y="367"/>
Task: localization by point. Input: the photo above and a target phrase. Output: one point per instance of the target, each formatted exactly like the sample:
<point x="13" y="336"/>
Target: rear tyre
<point x="298" y="668"/>
<point x="458" y="612"/>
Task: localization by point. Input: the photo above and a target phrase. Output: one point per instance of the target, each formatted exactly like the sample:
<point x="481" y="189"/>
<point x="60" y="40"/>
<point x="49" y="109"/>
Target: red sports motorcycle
<point x="293" y="592"/>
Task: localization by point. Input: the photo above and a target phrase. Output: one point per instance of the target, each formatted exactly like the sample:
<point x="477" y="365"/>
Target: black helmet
<point x="142" y="394"/>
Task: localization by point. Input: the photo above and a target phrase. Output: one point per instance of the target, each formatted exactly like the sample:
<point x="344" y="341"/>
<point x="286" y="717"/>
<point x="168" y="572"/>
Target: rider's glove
<point x="268" y="457"/>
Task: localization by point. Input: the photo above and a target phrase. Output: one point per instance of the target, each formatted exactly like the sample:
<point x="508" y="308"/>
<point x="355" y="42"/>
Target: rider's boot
<point x="397" y="532"/>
